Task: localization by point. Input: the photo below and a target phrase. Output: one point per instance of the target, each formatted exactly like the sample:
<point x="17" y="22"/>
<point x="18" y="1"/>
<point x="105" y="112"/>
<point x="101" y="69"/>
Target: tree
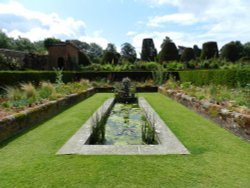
<point x="247" y="50"/>
<point x="169" y="51"/>
<point x="39" y="47"/>
<point x="187" y="55"/>
<point x="50" y="41"/>
<point x="209" y="50"/>
<point x="95" y="52"/>
<point x="165" y="41"/>
<point x="197" y="51"/>
<point x="110" y="55"/>
<point x="4" y="40"/>
<point x="149" y="51"/>
<point x="128" y="52"/>
<point x="232" y="51"/>
<point x="111" y="48"/>
<point x="24" y="44"/>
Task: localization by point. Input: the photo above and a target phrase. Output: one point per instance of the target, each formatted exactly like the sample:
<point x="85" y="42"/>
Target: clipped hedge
<point x="229" y="78"/>
<point x="16" y="77"/>
<point x="8" y="78"/>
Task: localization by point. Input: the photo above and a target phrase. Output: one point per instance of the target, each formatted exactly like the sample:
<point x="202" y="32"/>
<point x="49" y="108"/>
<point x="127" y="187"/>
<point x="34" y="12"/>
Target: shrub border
<point x="17" y="123"/>
<point x="235" y="122"/>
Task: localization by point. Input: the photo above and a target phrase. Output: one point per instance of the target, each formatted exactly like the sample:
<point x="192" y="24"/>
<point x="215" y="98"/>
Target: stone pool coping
<point x="168" y="143"/>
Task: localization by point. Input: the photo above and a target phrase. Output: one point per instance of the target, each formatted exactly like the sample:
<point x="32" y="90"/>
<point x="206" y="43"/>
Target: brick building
<point x="63" y="55"/>
<point x="67" y="56"/>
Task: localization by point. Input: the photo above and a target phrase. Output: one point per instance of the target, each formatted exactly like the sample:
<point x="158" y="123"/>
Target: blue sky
<point x="186" y="22"/>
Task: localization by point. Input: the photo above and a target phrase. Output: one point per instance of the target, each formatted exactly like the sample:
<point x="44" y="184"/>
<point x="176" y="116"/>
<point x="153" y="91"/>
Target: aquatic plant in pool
<point x="125" y="125"/>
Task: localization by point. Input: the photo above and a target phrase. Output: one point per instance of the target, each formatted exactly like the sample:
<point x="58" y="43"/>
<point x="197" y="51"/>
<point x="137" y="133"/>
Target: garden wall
<point x="14" y="124"/>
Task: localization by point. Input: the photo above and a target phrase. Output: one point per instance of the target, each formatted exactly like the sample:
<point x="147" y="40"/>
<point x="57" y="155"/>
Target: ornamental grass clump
<point x="47" y="90"/>
<point x="13" y="93"/>
<point x="29" y="90"/>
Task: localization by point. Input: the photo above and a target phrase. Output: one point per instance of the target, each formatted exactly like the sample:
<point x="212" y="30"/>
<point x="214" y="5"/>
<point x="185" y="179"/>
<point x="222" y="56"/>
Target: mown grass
<point x="218" y="159"/>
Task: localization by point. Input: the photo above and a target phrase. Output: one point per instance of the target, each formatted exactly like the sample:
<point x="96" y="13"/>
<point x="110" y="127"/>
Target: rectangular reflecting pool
<point x="124" y="129"/>
<point x="125" y="124"/>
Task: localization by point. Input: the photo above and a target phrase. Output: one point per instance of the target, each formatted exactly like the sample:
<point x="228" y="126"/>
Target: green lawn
<point x="218" y="159"/>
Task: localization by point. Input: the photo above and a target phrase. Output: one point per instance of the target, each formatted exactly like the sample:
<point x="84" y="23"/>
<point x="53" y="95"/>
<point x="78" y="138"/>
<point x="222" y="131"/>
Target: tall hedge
<point x="209" y="50"/>
<point x="148" y="52"/>
<point x="187" y="55"/>
<point x="15" y="77"/>
<point x="169" y="52"/>
<point x="229" y="78"/>
<point x="232" y="51"/>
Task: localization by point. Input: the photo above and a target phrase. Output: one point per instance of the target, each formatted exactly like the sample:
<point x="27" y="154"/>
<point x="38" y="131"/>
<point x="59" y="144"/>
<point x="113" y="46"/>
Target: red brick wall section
<point x="65" y="51"/>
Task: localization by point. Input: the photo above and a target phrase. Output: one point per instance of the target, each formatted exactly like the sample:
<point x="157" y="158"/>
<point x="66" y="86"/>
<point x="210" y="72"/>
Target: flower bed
<point x="18" y="122"/>
<point x="237" y="122"/>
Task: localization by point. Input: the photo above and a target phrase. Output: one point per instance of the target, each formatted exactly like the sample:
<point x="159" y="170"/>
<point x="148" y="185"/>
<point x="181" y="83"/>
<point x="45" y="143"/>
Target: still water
<point x="124" y="125"/>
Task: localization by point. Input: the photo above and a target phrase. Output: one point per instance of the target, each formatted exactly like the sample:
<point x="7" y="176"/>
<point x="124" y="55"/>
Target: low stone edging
<point x="234" y="121"/>
<point x="13" y="124"/>
<point x="167" y="141"/>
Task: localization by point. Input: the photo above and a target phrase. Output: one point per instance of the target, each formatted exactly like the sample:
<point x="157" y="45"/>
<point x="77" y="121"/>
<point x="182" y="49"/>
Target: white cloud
<point x="45" y="25"/>
<point x="131" y="33"/>
<point x="204" y="20"/>
<point x="95" y="38"/>
<point x="162" y="2"/>
<point x="179" y="18"/>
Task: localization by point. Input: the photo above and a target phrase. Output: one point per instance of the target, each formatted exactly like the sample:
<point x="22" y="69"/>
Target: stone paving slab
<point x="168" y="143"/>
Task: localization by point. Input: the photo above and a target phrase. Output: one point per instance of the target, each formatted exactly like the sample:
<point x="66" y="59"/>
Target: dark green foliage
<point x="148" y="134"/>
<point x="8" y="64"/>
<point x="149" y="51"/>
<point x="50" y="41"/>
<point x="247" y="50"/>
<point x="128" y="52"/>
<point x="24" y="44"/>
<point x="12" y="78"/>
<point x="5" y="41"/>
<point x="209" y="50"/>
<point x="188" y="55"/>
<point x="232" y="51"/>
<point x="169" y="51"/>
<point x="95" y="52"/>
<point x="92" y="50"/>
<point x="110" y="55"/>
<point x="197" y="51"/>
<point x="229" y="78"/>
<point x="83" y="59"/>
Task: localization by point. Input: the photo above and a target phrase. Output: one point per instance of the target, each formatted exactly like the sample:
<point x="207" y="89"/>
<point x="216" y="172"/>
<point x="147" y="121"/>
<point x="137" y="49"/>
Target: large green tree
<point x="232" y="51"/>
<point x="209" y="50"/>
<point x="246" y="47"/>
<point x="110" y="54"/>
<point x="5" y="41"/>
<point x="168" y="51"/>
<point x="187" y="55"/>
<point x="197" y="51"/>
<point x="24" y="44"/>
<point x="149" y="51"/>
<point x="128" y="52"/>
<point x="50" y="41"/>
